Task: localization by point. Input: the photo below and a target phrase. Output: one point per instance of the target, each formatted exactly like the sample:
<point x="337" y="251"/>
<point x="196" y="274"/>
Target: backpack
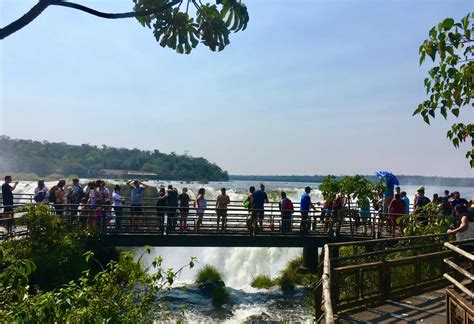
<point x="39" y="197"/>
<point x="80" y="195"/>
<point x="247" y="203"/>
<point x="52" y="195"/>
<point x="287" y="205"/>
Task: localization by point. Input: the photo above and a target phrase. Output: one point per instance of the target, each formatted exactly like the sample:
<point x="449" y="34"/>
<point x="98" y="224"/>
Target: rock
<point x="207" y="287"/>
<point x="258" y="317"/>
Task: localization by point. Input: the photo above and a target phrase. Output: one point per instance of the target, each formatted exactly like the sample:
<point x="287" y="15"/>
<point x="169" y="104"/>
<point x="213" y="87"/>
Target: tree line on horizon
<point x="88" y="161"/>
<point x="404" y="179"/>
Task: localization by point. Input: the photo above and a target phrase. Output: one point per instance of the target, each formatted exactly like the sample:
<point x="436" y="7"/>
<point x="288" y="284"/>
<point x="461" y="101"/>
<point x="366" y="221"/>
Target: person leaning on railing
<point x="466" y="228"/>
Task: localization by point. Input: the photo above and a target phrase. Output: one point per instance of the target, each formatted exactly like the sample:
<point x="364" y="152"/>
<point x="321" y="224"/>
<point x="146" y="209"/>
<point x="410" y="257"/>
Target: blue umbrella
<point x="388" y="176"/>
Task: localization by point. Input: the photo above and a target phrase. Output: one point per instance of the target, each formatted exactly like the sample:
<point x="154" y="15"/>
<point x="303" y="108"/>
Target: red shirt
<point x="397" y="206"/>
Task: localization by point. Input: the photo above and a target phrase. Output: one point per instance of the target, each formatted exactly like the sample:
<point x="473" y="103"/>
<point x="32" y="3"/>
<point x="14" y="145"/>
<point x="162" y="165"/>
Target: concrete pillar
<point x="310" y="258"/>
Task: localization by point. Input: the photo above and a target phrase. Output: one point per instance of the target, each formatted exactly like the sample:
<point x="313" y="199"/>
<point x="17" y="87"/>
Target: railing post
<point x="385" y="280"/>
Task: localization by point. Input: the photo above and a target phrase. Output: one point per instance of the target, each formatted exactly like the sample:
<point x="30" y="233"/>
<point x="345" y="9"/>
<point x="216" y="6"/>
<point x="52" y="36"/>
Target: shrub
<point x="262" y="281"/>
<point x="220" y="296"/>
<point x="208" y="273"/>
<point x="287" y="284"/>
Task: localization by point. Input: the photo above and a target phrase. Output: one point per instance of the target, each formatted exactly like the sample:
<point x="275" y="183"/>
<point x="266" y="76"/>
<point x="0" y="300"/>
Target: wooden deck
<point x="428" y="307"/>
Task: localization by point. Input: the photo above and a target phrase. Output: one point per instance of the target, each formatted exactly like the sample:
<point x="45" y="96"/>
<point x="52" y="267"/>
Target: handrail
<point x="461" y="251"/>
<point x="332" y="302"/>
<point x="326" y="278"/>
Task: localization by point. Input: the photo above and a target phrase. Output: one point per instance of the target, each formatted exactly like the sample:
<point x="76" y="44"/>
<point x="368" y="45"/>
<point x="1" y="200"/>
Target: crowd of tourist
<point x="100" y="206"/>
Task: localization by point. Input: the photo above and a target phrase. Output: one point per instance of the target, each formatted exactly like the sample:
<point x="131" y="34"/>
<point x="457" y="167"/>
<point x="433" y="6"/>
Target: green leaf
<point x="448" y="23"/>
<point x="455" y="112"/>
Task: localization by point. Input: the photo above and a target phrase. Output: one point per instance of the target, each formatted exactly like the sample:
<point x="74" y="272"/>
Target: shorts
<point x="259" y="214"/>
<point x="136" y="209"/>
<point x="221" y="213"/>
<point x="8" y="209"/>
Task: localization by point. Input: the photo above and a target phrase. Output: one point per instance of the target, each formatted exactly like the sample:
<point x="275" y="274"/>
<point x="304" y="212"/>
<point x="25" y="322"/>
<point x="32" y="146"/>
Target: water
<point x="240" y="265"/>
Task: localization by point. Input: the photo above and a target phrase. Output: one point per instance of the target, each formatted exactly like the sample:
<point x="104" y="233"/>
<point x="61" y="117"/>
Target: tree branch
<point x="107" y="15"/>
<point x="24" y="20"/>
<point x="43" y="4"/>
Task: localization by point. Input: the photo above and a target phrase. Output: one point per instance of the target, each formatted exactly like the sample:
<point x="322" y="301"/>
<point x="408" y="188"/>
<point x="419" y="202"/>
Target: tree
<point x="450" y="82"/>
<point x="170" y="20"/>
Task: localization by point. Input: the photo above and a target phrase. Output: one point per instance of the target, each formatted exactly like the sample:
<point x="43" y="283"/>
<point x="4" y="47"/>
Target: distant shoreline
<point x="404" y="179"/>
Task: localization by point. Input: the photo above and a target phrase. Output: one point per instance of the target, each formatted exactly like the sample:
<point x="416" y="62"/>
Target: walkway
<point x="428" y="308"/>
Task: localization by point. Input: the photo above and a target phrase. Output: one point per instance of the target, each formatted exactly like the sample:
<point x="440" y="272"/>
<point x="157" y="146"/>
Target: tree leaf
<point x="448" y="23"/>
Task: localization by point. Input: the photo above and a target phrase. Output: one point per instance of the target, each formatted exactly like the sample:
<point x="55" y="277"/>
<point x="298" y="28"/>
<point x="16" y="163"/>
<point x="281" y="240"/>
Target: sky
<point x="310" y="87"/>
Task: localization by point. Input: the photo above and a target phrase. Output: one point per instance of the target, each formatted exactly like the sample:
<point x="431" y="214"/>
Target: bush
<point x="287" y="284"/>
<point x="262" y="281"/>
<point x="220" y="296"/>
<point x="208" y="273"/>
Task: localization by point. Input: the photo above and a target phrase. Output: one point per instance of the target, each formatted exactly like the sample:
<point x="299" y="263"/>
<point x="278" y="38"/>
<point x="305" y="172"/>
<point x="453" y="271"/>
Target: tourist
<point x="76" y="196"/>
<point x="456" y="200"/>
<point x="406" y="201"/>
<point x="221" y="208"/>
<point x="364" y="212"/>
<point x="435" y="198"/>
<point x="259" y="198"/>
<point x="396" y="209"/>
<point x="446" y="208"/>
<point x="183" y="199"/>
<point x="118" y="201"/>
<point x="104" y="191"/>
<point x="326" y="213"/>
<point x="172" y="206"/>
<point x="93" y="204"/>
<point x="41" y="193"/>
<point x="136" y="200"/>
<point x="161" y="209"/>
<point x="305" y="206"/>
<point x="466" y="228"/>
<point x="338" y="216"/>
<point x="446" y="194"/>
<point x="286" y="207"/>
<point x="248" y="204"/>
<point x="59" y="197"/>
<point x="398" y="190"/>
<point x="420" y="198"/>
<point x="420" y="201"/>
<point x="200" y="204"/>
<point x="7" y="199"/>
<point x="387" y="197"/>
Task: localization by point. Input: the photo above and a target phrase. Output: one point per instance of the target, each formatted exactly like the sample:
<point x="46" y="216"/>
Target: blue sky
<point x="311" y="87"/>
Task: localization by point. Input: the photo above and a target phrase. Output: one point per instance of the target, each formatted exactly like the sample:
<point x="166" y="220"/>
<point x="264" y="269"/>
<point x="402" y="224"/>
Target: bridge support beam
<point x="310" y="258"/>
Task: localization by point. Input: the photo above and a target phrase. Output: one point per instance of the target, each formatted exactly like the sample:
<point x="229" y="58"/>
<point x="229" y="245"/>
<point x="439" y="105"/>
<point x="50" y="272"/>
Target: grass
<point x="208" y="273"/>
<point x="262" y="282"/>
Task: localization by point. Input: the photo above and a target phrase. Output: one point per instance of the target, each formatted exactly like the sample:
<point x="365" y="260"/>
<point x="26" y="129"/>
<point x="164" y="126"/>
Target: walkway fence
<point x="359" y="274"/>
<point x="173" y="220"/>
<point x="460" y="296"/>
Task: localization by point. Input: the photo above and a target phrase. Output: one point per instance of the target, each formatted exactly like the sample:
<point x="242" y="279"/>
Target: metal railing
<point x="376" y="270"/>
<point x="460" y="297"/>
<point x="238" y="220"/>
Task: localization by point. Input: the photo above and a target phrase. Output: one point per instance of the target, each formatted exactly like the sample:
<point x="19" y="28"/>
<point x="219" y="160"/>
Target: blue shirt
<point x="259" y="198"/>
<point x="137" y="195"/>
<point x="406" y="200"/>
<point x="305" y="202"/>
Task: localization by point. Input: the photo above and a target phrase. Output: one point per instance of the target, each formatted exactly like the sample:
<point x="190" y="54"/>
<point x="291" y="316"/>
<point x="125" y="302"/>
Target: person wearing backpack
<point x="75" y="197"/>
<point x="286" y="207"/>
<point x="41" y="193"/>
<point x="59" y="198"/>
